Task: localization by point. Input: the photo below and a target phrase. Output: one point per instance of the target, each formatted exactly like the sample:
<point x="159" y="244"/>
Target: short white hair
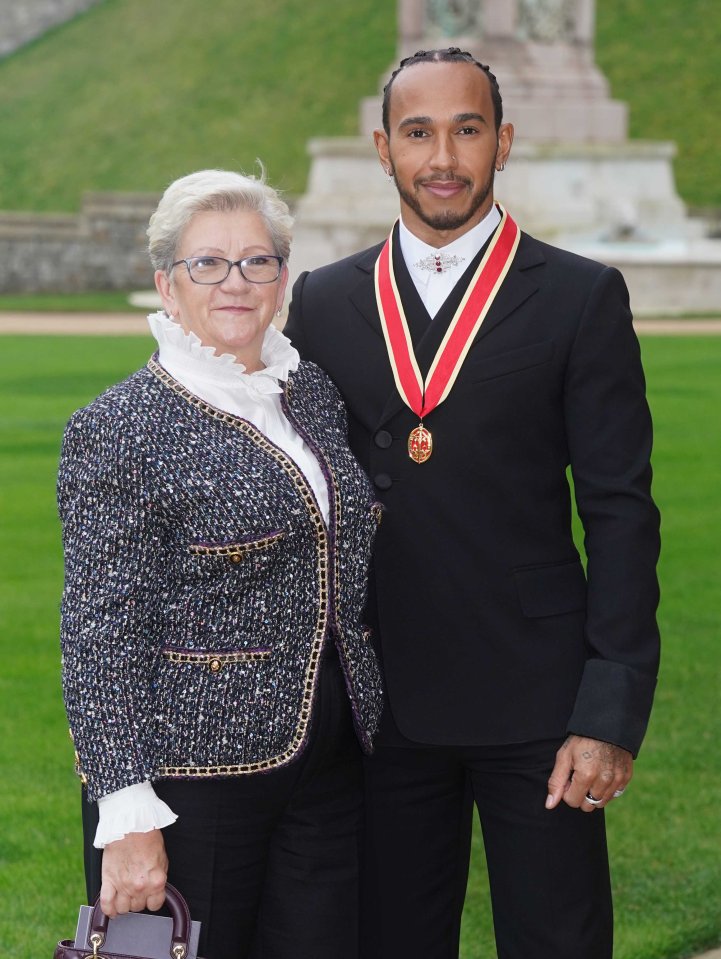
<point x="220" y="191"/>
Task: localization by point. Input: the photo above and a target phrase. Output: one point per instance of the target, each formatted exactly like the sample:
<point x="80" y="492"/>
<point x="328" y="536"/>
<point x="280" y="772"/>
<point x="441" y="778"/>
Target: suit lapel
<point x="417" y="316"/>
<point x="363" y="294"/>
<point x="518" y="286"/>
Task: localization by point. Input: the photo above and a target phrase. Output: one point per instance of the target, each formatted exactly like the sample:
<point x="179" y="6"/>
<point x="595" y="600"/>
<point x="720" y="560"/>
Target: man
<point x="478" y="364"/>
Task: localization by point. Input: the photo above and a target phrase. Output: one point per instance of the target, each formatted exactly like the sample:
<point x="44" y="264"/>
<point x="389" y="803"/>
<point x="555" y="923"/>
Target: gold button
<point x="236" y="558"/>
<point x="215" y="665"/>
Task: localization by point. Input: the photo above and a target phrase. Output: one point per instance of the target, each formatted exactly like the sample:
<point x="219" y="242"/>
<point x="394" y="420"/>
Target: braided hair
<point x="449" y="55"/>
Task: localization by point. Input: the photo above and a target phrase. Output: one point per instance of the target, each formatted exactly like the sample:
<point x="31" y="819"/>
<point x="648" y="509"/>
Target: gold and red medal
<point x="423" y="397"/>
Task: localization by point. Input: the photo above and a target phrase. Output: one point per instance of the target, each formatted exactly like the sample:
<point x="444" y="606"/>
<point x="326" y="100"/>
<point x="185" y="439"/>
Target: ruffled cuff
<point x="135" y="808"/>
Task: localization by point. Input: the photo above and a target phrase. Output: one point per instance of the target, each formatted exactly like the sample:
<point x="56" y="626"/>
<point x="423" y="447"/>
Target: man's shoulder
<point x="364" y="261"/>
<point x="558" y="258"/>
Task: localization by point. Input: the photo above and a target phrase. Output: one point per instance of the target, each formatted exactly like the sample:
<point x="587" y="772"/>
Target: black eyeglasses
<point x="208" y="270"/>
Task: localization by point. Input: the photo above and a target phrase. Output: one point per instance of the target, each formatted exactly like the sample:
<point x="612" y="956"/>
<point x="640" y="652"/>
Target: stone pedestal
<point x="616" y="204"/>
<point x="570" y="193"/>
<point x="602" y="190"/>
<point x="349" y="203"/>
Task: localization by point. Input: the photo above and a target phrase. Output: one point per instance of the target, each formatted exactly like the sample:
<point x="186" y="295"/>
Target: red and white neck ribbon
<point x="420" y="396"/>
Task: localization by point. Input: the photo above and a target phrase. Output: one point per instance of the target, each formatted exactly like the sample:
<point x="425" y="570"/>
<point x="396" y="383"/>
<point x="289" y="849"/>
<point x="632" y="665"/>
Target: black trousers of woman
<point x="269" y="862"/>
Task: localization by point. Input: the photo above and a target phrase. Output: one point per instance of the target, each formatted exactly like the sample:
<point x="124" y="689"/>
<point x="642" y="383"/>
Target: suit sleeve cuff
<point x="613" y="704"/>
<point x="135" y="808"/>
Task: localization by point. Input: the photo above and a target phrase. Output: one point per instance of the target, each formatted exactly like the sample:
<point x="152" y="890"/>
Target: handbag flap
<point x="136" y="934"/>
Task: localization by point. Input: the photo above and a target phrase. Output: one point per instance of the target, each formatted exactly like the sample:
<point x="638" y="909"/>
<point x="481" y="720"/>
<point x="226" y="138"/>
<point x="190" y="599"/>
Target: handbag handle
<point x="178" y="908"/>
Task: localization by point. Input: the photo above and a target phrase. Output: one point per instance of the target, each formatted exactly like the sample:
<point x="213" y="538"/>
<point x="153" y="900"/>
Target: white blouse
<point x="222" y="382"/>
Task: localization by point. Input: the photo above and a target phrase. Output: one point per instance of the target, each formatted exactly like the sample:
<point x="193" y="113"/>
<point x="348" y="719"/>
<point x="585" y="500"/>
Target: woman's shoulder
<point x="314" y="397"/>
<point x="314" y="381"/>
<point x="134" y="392"/>
<point x="120" y="403"/>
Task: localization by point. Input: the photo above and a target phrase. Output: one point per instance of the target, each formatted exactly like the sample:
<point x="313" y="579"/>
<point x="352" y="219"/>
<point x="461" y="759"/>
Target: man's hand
<point x="135" y="870"/>
<point x="588" y="767"/>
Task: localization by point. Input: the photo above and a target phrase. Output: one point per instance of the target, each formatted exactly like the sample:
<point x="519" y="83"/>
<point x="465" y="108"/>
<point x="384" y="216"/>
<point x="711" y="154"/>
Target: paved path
<point x="117" y="324"/>
<point x="133" y="324"/>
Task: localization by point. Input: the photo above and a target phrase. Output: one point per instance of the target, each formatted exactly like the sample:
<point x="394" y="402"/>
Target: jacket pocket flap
<point x="513" y="362"/>
<point x="551" y="590"/>
<point x="241" y="547"/>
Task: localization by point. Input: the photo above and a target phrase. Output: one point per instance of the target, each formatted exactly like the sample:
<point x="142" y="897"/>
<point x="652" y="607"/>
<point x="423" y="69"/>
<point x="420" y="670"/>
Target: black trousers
<point x="269" y="862"/>
<point x="548" y="870"/>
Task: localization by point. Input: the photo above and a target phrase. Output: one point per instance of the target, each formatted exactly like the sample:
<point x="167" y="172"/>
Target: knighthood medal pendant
<point x="420" y="444"/>
<point x="424" y="395"/>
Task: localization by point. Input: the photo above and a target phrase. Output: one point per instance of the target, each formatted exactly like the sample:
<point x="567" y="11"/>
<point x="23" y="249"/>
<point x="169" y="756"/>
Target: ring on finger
<point x="619" y="793"/>
<point x="592" y="801"/>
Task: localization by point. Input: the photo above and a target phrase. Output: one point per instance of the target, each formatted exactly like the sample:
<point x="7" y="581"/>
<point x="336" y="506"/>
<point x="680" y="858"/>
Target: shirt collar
<point x="185" y="352"/>
<point x="464" y="248"/>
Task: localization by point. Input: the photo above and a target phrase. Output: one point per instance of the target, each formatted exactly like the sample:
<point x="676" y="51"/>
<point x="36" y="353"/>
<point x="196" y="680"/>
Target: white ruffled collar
<point x="180" y="352"/>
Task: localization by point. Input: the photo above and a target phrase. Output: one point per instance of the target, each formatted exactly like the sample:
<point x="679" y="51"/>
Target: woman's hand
<point x="135" y="869"/>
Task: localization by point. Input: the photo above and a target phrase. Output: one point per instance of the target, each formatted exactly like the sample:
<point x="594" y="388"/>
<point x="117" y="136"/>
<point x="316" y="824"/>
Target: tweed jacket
<point x="202" y="582"/>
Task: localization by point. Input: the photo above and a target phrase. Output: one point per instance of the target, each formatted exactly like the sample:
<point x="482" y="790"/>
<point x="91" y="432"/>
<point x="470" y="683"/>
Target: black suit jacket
<point x="489" y="630"/>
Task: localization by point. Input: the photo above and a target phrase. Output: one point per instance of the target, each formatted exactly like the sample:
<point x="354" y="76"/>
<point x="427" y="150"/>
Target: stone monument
<point x="573" y="176"/>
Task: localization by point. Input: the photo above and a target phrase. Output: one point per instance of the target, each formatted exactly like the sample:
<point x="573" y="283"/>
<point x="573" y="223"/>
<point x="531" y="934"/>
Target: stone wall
<point x="101" y="248"/>
<point x="23" y="21"/>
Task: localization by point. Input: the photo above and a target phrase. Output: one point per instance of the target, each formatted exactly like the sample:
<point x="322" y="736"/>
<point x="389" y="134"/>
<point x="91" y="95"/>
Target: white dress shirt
<point x="222" y="382"/>
<point x="434" y="287"/>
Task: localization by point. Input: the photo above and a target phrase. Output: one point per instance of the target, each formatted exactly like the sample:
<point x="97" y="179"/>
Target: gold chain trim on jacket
<point x="216" y="661"/>
<point x="200" y="772"/>
<point x="306" y="494"/>
<point x="235" y="549"/>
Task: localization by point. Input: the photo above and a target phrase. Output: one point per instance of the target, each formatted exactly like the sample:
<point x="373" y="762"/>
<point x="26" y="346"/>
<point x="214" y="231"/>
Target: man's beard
<point x="447" y="219"/>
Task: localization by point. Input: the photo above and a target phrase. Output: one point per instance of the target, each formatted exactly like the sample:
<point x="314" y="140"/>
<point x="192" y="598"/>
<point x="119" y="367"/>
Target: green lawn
<point x="42" y="380"/>
<point x="132" y="94"/>
<point x="94" y="301"/>
<point x="664" y="835"/>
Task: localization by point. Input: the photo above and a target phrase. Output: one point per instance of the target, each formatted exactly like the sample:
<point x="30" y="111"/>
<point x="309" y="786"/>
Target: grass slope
<point x="661" y="56"/>
<point x="132" y="94"/>
<point x="664" y="836"/>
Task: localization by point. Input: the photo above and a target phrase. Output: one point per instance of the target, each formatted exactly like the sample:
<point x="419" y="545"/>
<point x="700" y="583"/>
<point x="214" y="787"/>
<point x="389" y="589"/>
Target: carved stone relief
<point x="452" y="18"/>
<point x="547" y="21"/>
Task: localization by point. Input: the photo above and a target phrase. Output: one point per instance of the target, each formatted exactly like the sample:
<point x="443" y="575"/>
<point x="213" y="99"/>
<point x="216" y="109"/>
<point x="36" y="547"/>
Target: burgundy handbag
<point x="134" y="935"/>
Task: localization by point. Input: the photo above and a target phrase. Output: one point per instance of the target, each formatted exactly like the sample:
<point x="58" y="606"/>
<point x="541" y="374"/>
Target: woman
<point x="217" y="532"/>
